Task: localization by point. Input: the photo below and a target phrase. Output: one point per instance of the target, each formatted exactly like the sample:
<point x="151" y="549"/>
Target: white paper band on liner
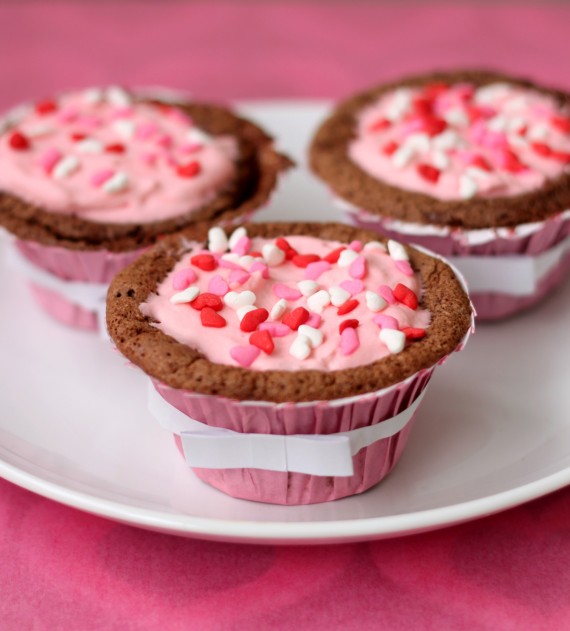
<point x="514" y="275"/>
<point x="315" y="454"/>
<point x="89" y="296"/>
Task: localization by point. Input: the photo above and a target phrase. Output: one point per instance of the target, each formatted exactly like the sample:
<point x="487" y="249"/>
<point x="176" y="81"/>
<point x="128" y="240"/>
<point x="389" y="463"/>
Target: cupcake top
<point x="285" y="312"/>
<point x="87" y="164"/>
<point x="471" y="150"/>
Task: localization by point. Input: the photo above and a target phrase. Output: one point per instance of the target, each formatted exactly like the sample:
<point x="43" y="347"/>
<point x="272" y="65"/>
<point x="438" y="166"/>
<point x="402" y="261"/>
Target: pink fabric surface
<point x="62" y="569"/>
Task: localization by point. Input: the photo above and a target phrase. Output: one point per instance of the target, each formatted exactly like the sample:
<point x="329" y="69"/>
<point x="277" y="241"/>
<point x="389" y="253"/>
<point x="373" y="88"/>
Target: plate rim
<point x="286" y="532"/>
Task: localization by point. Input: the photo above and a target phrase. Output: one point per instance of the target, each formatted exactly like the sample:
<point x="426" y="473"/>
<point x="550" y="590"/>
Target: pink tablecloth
<point x="62" y="569"/>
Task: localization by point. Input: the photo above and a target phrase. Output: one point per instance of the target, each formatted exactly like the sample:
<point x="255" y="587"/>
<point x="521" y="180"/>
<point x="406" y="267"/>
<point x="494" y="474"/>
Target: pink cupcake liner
<point x="91" y="267"/>
<point x="371" y="464"/>
<point x="530" y="240"/>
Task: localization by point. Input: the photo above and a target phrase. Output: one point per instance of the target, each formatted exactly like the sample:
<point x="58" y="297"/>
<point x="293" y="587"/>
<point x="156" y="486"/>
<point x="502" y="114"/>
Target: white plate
<point x="493" y="431"/>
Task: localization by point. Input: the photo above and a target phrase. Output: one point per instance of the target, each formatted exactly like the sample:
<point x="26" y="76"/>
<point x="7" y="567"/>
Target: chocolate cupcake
<point x="288" y="359"/>
<point x="90" y="179"/>
<point x="472" y="164"/>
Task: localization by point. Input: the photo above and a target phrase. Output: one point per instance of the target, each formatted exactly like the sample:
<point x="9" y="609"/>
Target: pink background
<point x="62" y="569"/>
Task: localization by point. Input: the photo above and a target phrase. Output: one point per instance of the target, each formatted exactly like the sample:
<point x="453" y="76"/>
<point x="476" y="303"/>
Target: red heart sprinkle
<point x="542" y="149"/>
<point x="348" y="306"/>
<point x="379" y="125"/>
<point x="562" y="123"/>
<point x="332" y="257"/>
<point x="433" y="90"/>
<point x="263" y="340"/>
<point x="481" y="163"/>
<point x="406" y="296"/>
<point x="210" y="318"/>
<point x="116" y="147"/>
<point x="204" y="261"/>
<point x="512" y="163"/>
<point x="348" y="324"/>
<point x="189" y="170"/>
<point x="302" y="260"/>
<point x="434" y="126"/>
<point x="282" y="244"/>
<point x="18" y="141"/>
<point x="46" y="107"/>
<point x="390" y="147"/>
<point x="429" y="173"/>
<point x="423" y="107"/>
<point x="252" y="319"/>
<point x="255" y="253"/>
<point x="78" y="137"/>
<point x="207" y="300"/>
<point x="412" y="333"/>
<point x="295" y="318"/>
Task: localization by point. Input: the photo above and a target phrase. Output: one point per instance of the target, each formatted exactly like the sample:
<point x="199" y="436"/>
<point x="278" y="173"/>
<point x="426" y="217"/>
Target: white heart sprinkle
<point x="198" y="137"/>
<point x="300" y="348"/>
<point x="308" y="287"/>
<point x="538" y="132"/>
<point x="237" y="299"/>
<point x="476" y="172"/>
<point x="118" y="97"/>
<point x="375" y="245"/>
<point x="488" y="93"/>
<point x="93" y="96"/>
<point x="243" y="310"/>
<point x="217" y="240"/>
<point x="516" y="124"/>
<point x="236" y="235"/>
<point x="318" y="301"/>
<point x="456" y="116"/>
<point x="374" y="302"/>
<point x="498" y="124"/>
<point x="124" y="128"/>
<point x="246" y="261"/>
<point x="65" y="167"/>
<point x="89" y="145"/>
<point x="272" y="255"/>
<point x="278" y="309"/>
<point x="347" y="258"/>
<point x="338" y="296"/>
<point x="39" y="130"/>
<point x="418" y="142"/>
<point x="117" y="183"/>
<point x="448" y="139"/>
<point x="393" y="339"/>
<point x="467" y="187"/>
<point x="399" y="104"/>
<point x="440" y="160"/>
<point x="231" y="257"/>
<point x="187" y="295"/>
<point x="403" y="156"/>
<point x="397" y="251"/>
<point x="314" y="336"/>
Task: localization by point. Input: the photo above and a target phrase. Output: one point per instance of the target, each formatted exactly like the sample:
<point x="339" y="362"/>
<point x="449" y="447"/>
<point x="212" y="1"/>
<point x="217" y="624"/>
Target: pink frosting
<point x="457" y="142"/>
<point x="230" y="345"/>
<point x="101" y="156"/>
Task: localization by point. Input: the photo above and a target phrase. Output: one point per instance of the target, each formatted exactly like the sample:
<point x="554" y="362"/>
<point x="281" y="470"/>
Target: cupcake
<point x="287" y="359"/>
<point x="474" y="165"/>
<point x="90" y="179"/>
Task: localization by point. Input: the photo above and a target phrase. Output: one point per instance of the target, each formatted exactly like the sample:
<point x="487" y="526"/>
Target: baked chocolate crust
<point x="183" y="367"/>
<point x="329" y="160"/>
<point x="258" y="168"/>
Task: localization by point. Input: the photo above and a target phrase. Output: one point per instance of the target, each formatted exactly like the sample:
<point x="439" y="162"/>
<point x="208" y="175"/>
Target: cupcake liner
<point x="507" y="270"/>
<point x="69" y="285"/>
<point x="370" y="464"/>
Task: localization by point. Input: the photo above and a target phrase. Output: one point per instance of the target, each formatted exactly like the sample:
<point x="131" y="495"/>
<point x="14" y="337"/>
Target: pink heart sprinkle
<point x="230" y="265"/>
<point x="243" y="246"/>
<point x="314" y="320"/>
<point x="352" y="286"/>
<point x="357" y="268"/>
<point x="122" y="112"/>
<point x="164" y="141"/>
<point x="405" y="268"/>
<point x="218" y="286"/>
<point x="183" y="278"/>
<point x="49" y="159"/>
<point x="386" y="321"/>
<point x="276" y="329"/>
<point x="100" y="177"/>
<point x="349" y="341"/>
<point x="244" y="355"/>
<point x="191" y="147"/>
<point x="356" y="246"/>
<point x="146" y="130"/>
<point x="314" y="270"/>
<point x="259" y="266"/>
<point x="150" y="158"/>
<point x="90" y="122"/>
<point x="180" y="116"/>
<point x="286" y="292"/>
<point x="387" y="294"/>
<point x="495" y="140"/>
<point x="67" y="115"/>
<point x="239" y="277"/>
<point x="477" y="131"/>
